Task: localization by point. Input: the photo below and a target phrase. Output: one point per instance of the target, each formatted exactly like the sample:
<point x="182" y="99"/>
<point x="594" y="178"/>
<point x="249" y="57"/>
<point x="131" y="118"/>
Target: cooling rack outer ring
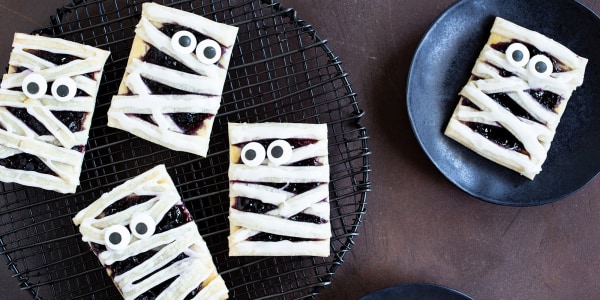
<point x="281" y="70"/>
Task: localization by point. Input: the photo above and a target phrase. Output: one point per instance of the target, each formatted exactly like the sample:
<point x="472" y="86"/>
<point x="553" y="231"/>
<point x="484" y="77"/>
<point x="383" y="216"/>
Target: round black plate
<point x="441" y="67"/>
<point x="417" y="291"/>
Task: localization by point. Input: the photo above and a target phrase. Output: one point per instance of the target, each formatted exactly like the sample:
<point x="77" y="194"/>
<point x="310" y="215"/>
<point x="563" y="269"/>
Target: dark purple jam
<point x="26" y="162"/>
<point x="302" y="217"/>
<point x="295" y="188"/>
<point x="152" y="252"/>
<point x="158" y="88"/>
<point x="498" y="135"/>
<point x="548" y="99"/>
<point x="79" y="148"/>
<point x="120" y="267"/>
<point x="146" y="117"/>
<point x="29" y="120"/>
<point x="72" y="119"/>
<point x="270" y="237"/>
<point x="190" y="123"/>
<point x="309" y="162"/>
<point x="533" y="51"/>
<point x="175" y="217"/>
<point x="252" y="205"/>
<point x="125" y="203"/>
<point x="156" y="57"/>
<point x="55" y="58"/>
<point x="507" y="102"/>
<point x="469" y="103"/>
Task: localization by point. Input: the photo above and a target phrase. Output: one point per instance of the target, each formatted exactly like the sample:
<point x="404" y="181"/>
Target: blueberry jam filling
<point x="152" y="252"/>
<point x="124" y="203"/>
<point x="302" y="217"/>
<point x="508" y="103"/>
<point x="72" y="119"/>
<point x="295" y="188"/>
<point x="190" y="123"/>
<point x="55" y="58"/>
<point x="502" y="72"/>
<point x="146" y="117"/>
<point x="158" y="88"/>
<point x="29" y="120"/>
<point x="26" y="162"/>
<point x="120" y="267"/>
<point x="499" y="135"/>
<point x="252" y="205"/>
<point x="270" y="237"/>
<point x="156" y="57"/>
<point x="309" y="162"/>
<point x="548" y="99"/>
<point x="533" y="51"/>
<point x="175" y="217"/>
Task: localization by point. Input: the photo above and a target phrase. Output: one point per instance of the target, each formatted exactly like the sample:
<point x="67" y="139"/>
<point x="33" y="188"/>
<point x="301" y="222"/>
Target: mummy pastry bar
<point x="148" y="242"/>
<point x="47" y="99"/>
<point x="174" y="79"/>
<point x="509" y="110"/>
<point x="279" y="190"/>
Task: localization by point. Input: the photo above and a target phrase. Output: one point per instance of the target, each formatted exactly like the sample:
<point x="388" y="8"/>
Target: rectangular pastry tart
<point x="279" y="190"/>
<point x="47" y="99"/>
<point x="510" y="108"/>
<point x="172" y="86"/>
<point x="148" y="242"/>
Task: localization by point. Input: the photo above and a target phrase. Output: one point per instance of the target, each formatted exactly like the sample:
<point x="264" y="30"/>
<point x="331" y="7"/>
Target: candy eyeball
<point x="540" y="66"/>
<point x="142" y="225"/>
<point x="184" y="42"/>
<point x="64" y="89"/>
<point x="253" y="154"/>
<point x="34" y="86"/>
<point x="279" y="152"/>
<point x="208" y="52"/>
<point x="116" y="237"/>
<point x="517" y="54"/>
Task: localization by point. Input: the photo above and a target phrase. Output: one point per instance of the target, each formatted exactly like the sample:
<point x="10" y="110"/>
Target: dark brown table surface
<point x="419" y="227"/>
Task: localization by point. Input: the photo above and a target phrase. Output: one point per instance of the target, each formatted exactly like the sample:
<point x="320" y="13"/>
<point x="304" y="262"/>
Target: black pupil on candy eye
<point x="141" y="228"/>
<point x="33" y="88"/>
<point x="277" y="151"/>
<point x="250" y="154"/>
<point x="210" y="52"/>
<point x="185" y="41"/>
<point x="541" y="67"/>
<point x="517" y="55"/>
<point x="114" y="238"/>
<point x="62" y="90"/>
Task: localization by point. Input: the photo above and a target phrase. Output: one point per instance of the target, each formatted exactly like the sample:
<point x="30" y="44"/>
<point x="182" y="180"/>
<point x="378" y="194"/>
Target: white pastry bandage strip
<point x="509" y="114"/>
<point x="282" y="210"/>
<point x="173" y="263"/>
<point x="156" y="69"/>
<point x="50" y="134"/>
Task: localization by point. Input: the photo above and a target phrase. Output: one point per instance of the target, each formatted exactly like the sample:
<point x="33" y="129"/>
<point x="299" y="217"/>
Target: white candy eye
<point x="116" y="237"/>
<point x="517" y="54"/>
<point x="208" y="52"/>
<point x="253" y="154"/>
<point x="34" y="86"/>
<point x="183" y="42"/>
<point x="279" y="152"/>
<point x="142" y="225"/>
<point x="64" y="89"/>
<point x="540" y="66"/>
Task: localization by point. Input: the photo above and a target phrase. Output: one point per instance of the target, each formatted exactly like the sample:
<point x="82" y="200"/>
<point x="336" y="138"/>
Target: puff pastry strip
<point x="279" y="209"/>
<point x="173" y="263"/>
<point x="509" y="112"/>
<point x="167" y="96"/>
<point x="43" y="138"/>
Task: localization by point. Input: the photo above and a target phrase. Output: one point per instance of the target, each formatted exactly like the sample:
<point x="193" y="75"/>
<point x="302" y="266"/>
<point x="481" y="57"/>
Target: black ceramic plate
<point x="417" y="291"/>
<point x="441" y="67"/>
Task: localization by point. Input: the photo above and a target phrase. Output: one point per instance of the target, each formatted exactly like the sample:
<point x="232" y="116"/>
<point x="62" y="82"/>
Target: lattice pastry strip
<point x="279" y="190"/>
<point x="148" y="242"/>
<point x="47" y="100"/>
<point x="172" y="86"/>
<point x="511" y="106"/>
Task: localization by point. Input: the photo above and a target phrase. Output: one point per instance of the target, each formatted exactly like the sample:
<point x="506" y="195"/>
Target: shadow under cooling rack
<point x="280" y="71"/>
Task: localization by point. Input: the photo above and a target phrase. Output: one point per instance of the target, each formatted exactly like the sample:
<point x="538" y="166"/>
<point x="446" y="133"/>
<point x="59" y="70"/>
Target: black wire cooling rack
<point x="280" y="71"/>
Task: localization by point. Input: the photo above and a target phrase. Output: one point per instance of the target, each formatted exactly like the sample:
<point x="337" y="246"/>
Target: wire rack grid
<point x="280" y="71"/>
